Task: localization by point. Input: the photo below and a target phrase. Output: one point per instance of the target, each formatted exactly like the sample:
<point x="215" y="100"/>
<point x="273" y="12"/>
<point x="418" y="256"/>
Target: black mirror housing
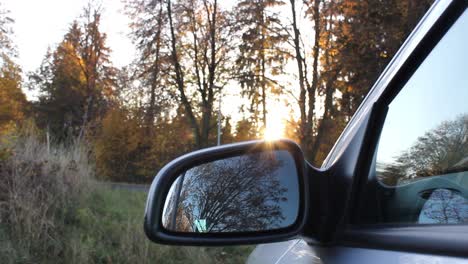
<point x="162" y="183"/>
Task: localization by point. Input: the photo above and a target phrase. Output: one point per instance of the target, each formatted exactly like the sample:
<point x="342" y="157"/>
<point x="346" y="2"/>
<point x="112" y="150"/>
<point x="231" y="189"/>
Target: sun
<point x="271" y="134"/>
<point x="274" y="126"/>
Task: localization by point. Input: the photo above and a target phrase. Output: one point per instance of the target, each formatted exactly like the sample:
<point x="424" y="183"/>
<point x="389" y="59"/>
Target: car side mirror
<point x="244" y="193"/>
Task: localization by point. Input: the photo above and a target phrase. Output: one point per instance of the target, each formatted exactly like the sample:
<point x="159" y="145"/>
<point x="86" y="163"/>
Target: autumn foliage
<point x="318" y="58"/>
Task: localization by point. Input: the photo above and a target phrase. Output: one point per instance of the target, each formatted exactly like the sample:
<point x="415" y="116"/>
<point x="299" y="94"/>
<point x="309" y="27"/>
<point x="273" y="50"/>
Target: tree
<point x="184" y="51"/>
<point x="116" y="145"/>
<point x="7" y="46"/>
<point x="123" y="150"/>
<point x="149" y="33"/>
<point x="93" y="57"/>
<point x="373" y="32"/>
<point x="439" y="151"/>
<point x="352" y="42"/>
<point x="226" y="132"/>
<point x="172" y="137"/>
<point x="246" y="130"/>
<point x="76" y="80"/>
<point x="262" y="53"/>
<point x="62" y="97"/>
<point x="329" y="125"/>
<point x="13" y="102"/>
<point x="307" y="88"/>
<point x="199" y="37"/>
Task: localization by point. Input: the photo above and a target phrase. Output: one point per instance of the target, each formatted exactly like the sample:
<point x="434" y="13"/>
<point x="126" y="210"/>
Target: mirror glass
<point x="247" y="193"/>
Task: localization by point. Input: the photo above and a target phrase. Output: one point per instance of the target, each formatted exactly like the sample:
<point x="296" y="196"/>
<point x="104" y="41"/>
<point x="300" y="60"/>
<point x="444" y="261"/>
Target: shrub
<point x="40" y="187"/>
<point x="53" y="211"/>
<point x="115" y="146"/>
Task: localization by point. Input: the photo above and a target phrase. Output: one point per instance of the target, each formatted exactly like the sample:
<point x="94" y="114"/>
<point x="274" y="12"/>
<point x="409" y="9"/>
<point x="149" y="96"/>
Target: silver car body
<point x="299" y="252"/>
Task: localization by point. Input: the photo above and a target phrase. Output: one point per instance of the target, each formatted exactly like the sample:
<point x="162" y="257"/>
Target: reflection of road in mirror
<point x="253" y="192"/>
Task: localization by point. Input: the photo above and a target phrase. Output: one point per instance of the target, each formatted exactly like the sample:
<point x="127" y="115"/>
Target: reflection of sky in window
<point x="437" y="92"/>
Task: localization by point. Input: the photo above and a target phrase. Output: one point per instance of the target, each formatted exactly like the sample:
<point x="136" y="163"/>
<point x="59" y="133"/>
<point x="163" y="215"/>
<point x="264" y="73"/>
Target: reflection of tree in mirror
<point x="240" y="194"/>
<point x="444" y="206"/>
<point x="176" y="221"/>
<point x="439" y="151"/>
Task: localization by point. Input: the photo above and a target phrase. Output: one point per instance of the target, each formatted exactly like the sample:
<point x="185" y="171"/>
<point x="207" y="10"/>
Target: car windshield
<point x="97" y="96"/>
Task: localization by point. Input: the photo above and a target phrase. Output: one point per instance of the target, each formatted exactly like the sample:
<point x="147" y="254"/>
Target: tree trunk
<point x="263" y="62"/>
<point x="209" y="88"/>
<point x="325" y="118"/>
<point x="302" y="87"/>
<point x="179" y="78"/>
<point x="154" y="82"/>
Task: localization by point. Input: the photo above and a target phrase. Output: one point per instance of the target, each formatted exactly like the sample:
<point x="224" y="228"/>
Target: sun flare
<point x="274" y="127"/>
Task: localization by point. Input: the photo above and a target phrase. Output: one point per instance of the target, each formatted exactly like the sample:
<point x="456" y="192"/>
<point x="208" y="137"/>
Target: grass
<point x="111" y="231"/>
<point x="52" y="211"/>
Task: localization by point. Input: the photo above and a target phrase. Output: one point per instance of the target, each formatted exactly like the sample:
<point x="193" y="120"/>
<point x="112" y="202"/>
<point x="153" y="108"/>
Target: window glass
<point x="423" y="149"/>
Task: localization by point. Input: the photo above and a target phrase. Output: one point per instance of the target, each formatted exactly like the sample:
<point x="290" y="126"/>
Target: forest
<point x="317" y="58"/>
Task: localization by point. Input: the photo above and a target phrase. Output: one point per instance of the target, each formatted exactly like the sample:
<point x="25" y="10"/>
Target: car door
<point x="405" y="199"/>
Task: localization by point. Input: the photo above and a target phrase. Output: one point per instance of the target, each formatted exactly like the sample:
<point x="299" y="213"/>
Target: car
<point x="394" y="188"/>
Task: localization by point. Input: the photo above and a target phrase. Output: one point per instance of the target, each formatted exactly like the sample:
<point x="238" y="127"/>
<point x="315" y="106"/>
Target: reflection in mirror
<point x="444" y="206"/>
<point x="252" y="192"/>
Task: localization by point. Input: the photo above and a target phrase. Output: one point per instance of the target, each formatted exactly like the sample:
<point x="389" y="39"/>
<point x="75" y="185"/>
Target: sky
<point x="436" y="93"/>
<point x="42" y="24"/>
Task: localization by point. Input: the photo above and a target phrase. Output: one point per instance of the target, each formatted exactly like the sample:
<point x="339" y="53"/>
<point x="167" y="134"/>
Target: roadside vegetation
<point x="295" y="69"/>
<point x="51" y="208"/>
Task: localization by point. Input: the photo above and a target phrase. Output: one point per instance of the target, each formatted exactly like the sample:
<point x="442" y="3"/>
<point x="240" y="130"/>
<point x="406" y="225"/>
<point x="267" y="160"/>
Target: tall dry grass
<point x="40" y="188"/>
<point x="52" y="211"/>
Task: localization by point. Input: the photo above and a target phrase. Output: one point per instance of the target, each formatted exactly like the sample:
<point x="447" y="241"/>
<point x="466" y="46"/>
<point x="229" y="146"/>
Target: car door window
<point x="422" y="155"/>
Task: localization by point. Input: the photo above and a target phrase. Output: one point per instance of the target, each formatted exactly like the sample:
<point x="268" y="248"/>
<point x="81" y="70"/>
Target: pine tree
<point x="13" y="104"/>
<point x="262" y="54"/>
<point x="76" y="80"/>
<point x="149" y="34"/>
